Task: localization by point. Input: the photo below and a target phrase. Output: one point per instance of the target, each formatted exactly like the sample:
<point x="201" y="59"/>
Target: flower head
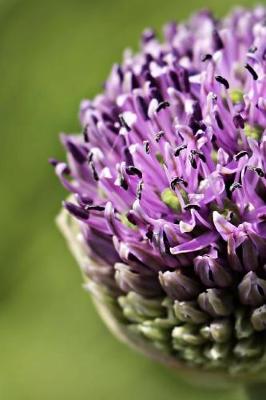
<point x="168" y="184"/>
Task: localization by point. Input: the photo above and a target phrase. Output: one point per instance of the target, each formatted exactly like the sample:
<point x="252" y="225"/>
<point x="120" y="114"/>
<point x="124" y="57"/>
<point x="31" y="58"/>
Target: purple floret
<point x="168" y="176"/>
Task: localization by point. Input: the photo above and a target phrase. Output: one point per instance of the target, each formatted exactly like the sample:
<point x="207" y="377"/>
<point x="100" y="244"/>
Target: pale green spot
<point x="214" y="156"/>
<point x="236" y="96"/>
<point x="126" y="222"/>
<point x="254" y="132"/>
<point x="159" y="158"/>
<point x="170" y="199"/>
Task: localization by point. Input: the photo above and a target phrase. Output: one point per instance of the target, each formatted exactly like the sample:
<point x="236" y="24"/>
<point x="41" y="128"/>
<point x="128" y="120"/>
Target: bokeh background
<point x="53" y="346"/>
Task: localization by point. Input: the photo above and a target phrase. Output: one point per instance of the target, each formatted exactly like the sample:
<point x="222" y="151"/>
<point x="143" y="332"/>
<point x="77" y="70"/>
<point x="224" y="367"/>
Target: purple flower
<point x="168" y="189"/>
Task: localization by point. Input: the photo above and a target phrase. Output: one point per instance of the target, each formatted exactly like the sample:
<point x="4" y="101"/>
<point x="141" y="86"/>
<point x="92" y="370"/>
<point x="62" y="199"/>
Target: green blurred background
<point x="52" y="344"/>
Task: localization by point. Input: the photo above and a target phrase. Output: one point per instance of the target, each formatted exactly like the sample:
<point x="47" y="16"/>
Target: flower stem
<point x="256" y="391"/>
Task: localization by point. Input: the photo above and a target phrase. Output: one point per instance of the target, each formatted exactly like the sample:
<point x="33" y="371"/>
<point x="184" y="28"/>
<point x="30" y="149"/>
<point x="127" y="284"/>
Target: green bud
<point x="236" y="96"/>
<point x="218" y="331"/>
<point x="217" y="351"/>
<point x="258" y="318"/>
<point x="254" y="132"/>
<point x="188" y="311"/>
<point x="159" y="158"/>
<point x="216" y="302"/>
<point x="149" y="330"/>
<point x="248" y="348"/>
<point x="243" y="327"/>
<point x="192" y="354"/>
<point x="187" y="334"/>
<point x="170" y="199"/>
<point x="138" y="309"/>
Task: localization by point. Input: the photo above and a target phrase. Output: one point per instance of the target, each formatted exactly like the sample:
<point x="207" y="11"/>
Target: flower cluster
<point x="168" y="189"/>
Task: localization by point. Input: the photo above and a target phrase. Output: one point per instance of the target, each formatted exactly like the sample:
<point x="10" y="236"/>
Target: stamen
<point x="223" y="81"/>
<point x="206" y="57"/>
<point x="94" y="172"/>
<point x="234" y="186"/>
<point x="123" y="122"/>
<point x="94" y="208"/>
<point x="252" y="49"/>
<point x="258" y="170"/>
<point x="85" y="133"/>
<point x="163" y="105"/>
<point x="199" y="154"/>
<point x="146" y="144"/>
<point x="159" y="135"/>
<point x="179" y="149"/>
<point x="192" y="207"/>
<point x="192" y="161"/>
<point x="252" y="72"/>
<point x="240" y="155"/>
<point x="139" y="190"/>
<point x="131" y="170"/>
<point x="176" y="181"/>
<point x="123" y="183"/>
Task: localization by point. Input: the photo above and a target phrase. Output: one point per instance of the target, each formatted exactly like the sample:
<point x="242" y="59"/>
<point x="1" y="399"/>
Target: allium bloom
<point x="167" y="213"/>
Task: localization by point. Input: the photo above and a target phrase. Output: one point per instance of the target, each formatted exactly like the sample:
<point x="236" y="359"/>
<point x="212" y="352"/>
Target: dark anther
<point x="199" y="154"/>
<point x="131" y="170"/>
<point x="223" y="81"/>
<point x="159" y="135"/>
<point x="143" y="108"/>
<point x="240" y="155"/>
<point x="206" y="57"/>
<point x="252" y="49"/>
<point x="218" y="120"/>
<point x="85" y="133"/>
<point x="234" y="186"/>
<point x="163" y="105"/>
<point x="176" y="181"/>
<point x="258" y="171"/>
<point x="131" y="218"/>
<point x="146" y="145"/>
<point x="239" y="121"/>
<point x="93" y="170"/>
<point x="192" y="207"/>
<point x="192" y="161"/>
<point x="252" y="71"/>
<point x="166" y="243"/>
<point x="123" y="183"/>
<point x="123" y="122"/>
<point x="128" y="156"/>
<point x="149" y="234"/>
<point x="90" y="156"/>
<point x="139" y="190"/>
<point x="91" y="207"/>
<point x="179" y="149"/>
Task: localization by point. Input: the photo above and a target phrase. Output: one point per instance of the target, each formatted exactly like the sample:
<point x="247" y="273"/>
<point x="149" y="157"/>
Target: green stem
<point x="256" y="391"/>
